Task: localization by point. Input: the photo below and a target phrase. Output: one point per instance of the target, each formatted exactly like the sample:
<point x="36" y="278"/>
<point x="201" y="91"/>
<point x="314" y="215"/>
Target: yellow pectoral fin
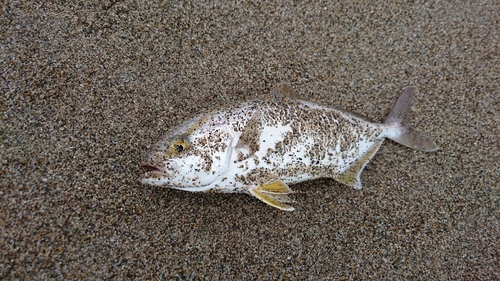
<point x="277" y="187"/>
<point x="274" y="194"/>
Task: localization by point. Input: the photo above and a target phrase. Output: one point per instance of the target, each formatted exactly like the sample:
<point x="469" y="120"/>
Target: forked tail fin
<point x="398" y="126"/>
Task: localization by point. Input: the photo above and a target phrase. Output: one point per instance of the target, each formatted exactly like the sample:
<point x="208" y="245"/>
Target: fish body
<point x="261" y="146"/>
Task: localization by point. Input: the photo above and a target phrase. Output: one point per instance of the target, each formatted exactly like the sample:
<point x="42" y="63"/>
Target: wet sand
<point x="87" y="87"/>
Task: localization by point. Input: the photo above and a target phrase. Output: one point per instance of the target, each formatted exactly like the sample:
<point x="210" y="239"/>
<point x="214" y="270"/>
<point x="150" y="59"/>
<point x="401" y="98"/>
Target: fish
<point x="260" y="147"/>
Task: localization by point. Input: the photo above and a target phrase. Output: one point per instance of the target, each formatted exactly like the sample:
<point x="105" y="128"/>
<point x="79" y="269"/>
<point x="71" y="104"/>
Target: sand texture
<point x="88" y="86"/>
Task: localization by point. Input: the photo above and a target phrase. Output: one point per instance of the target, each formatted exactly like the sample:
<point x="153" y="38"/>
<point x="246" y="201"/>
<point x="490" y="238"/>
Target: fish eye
<point x="178" y="145"/>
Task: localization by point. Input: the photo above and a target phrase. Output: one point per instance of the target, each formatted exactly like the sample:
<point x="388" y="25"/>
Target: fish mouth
<point x="148" y="167"/>
<point x="152" y="171"/>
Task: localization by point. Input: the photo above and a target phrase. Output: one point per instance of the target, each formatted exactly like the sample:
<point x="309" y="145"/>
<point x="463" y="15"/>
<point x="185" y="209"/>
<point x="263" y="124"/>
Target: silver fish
<point x="262" y="146"/>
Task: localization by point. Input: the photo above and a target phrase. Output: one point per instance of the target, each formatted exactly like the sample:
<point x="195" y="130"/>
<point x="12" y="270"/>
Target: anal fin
<point x="351" y="176"/>
<point x="274" y="194"/>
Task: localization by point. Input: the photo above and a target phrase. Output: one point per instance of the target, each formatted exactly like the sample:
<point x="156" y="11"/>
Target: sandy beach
<point x="87" y="87"/>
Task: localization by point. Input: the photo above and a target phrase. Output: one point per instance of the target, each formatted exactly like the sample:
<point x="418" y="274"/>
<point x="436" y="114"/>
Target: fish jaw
<point x="154" y="175"/>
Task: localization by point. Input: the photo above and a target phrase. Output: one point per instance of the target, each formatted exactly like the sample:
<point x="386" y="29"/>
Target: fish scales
<point x="316" y="141"/>
<point x="260" y="147"/>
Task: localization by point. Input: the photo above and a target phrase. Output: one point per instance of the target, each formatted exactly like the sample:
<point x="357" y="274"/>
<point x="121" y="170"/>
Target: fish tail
<point x="398" y="128"/>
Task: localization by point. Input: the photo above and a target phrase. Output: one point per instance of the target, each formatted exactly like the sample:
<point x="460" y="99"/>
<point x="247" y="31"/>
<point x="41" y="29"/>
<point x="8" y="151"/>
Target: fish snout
<point x="149" y="167"/>
<point x="163" y="167"/>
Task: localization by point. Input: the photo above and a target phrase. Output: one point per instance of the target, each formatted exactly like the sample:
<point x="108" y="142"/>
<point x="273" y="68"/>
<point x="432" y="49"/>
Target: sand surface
<point x="86" y="87"/>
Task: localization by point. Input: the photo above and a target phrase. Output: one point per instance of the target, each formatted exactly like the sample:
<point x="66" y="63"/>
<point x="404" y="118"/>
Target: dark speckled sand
<point x="87" y="87"/>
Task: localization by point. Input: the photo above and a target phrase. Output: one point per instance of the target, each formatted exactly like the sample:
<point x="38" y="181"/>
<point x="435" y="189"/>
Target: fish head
<point x="190" y="158"/>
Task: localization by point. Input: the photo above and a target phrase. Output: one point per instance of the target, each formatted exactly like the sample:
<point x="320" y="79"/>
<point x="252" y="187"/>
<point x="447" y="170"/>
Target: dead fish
<point x="262" y="146"/>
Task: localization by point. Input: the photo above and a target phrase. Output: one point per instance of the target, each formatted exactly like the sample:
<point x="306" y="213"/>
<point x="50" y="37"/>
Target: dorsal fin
<point x="287" y="91"/>
<point x="359" y="116"/>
